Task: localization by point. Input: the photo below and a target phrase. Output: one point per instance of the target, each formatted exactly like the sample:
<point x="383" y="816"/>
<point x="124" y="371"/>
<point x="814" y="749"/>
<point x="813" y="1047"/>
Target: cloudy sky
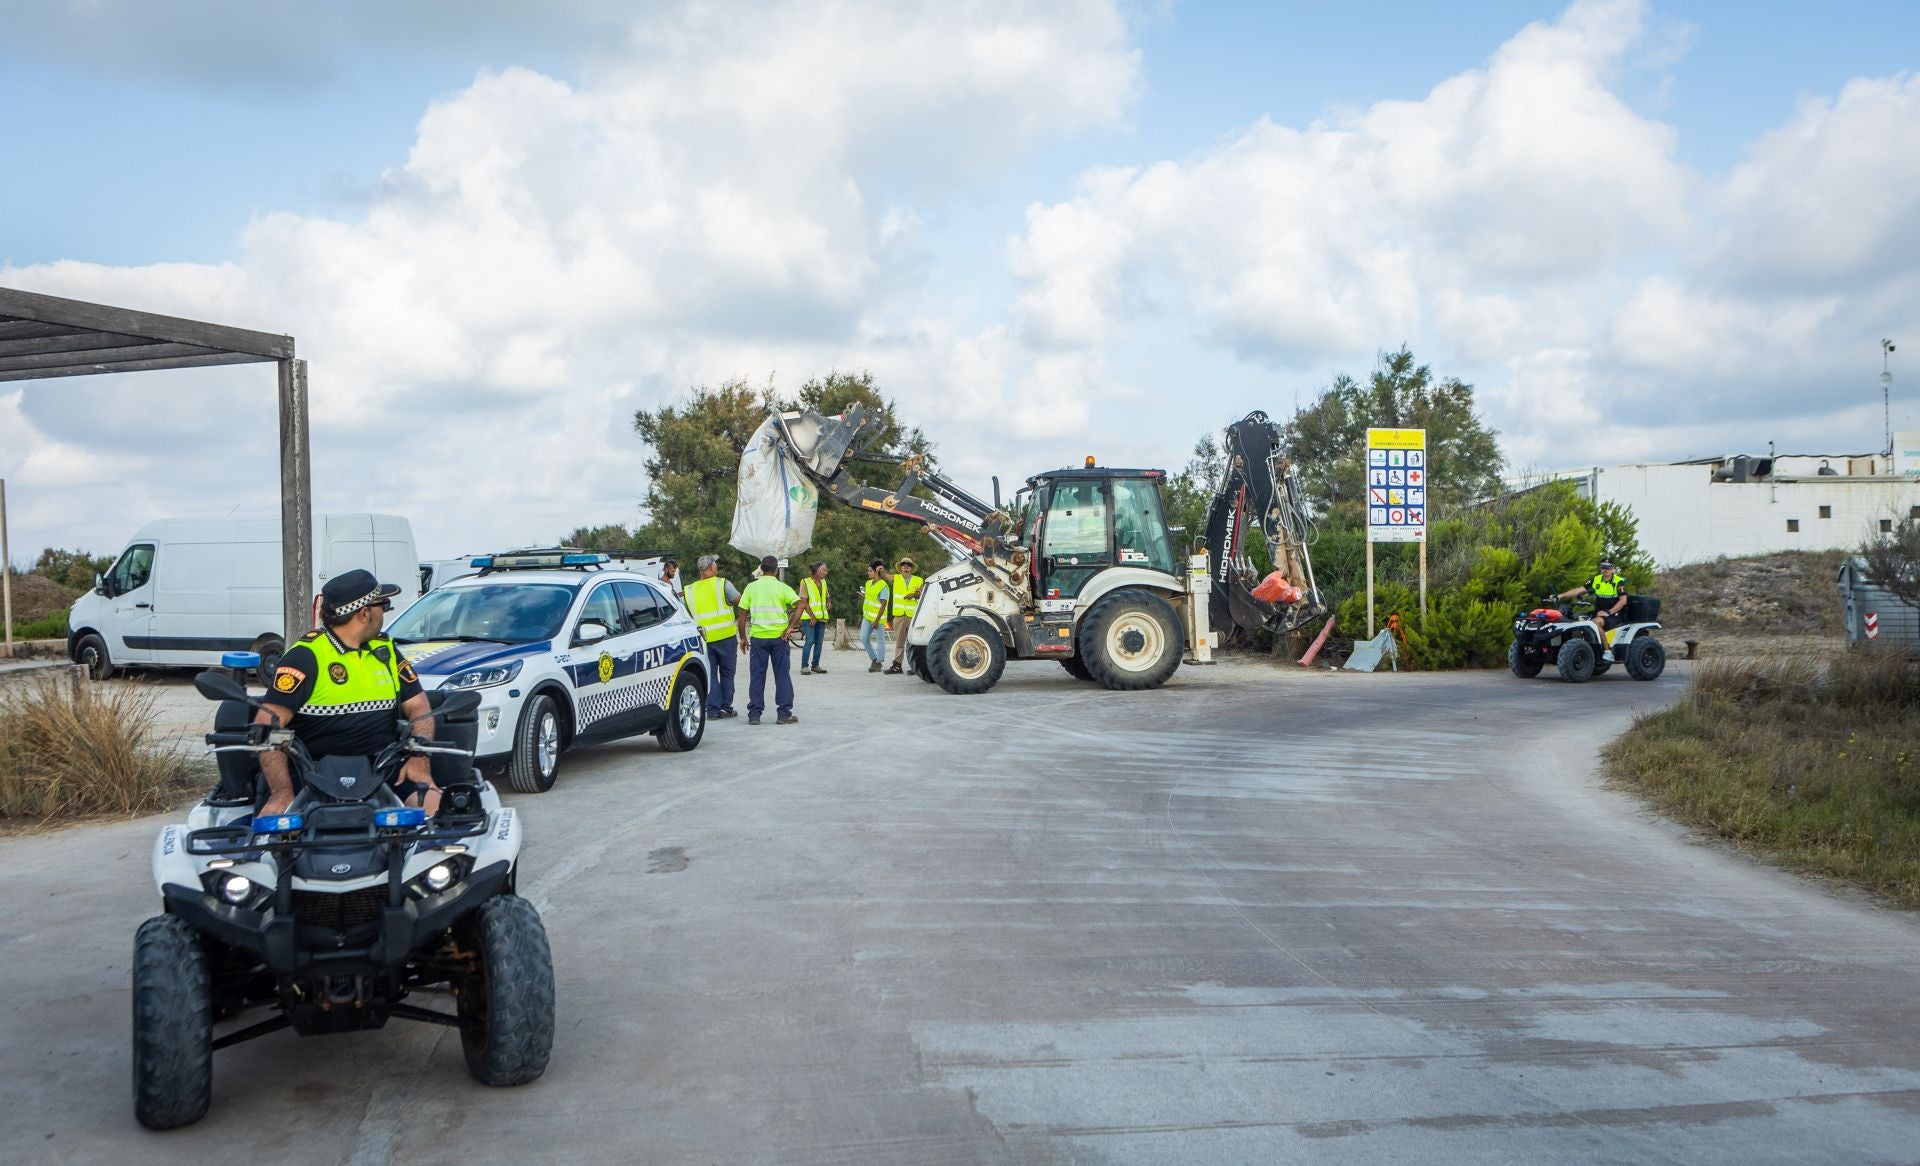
<point x="1643" y="230"/>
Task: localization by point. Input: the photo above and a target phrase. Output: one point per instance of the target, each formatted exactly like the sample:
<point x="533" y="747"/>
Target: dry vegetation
<point x="1812" y="760"/>
<point x="97" y="752"/>
<point x="1771" y="599"/>
<point x="40" y="607"/>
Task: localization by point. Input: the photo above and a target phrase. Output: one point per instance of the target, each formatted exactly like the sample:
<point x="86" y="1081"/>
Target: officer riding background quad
<point x="1619" y="629"/>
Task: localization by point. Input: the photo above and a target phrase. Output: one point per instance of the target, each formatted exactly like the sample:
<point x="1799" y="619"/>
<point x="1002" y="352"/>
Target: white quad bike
<point x="1554" y="634"/>
<point x="332" y="914"/>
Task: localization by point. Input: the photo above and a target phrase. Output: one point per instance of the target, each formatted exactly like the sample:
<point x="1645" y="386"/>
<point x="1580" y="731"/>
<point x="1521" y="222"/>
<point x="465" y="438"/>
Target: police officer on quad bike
<point x="340" y="689"/>
<point x="1609" y="593"/>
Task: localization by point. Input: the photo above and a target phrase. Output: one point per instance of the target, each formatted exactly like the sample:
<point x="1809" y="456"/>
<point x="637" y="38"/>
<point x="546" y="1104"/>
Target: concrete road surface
<point x="1259" y="916"/>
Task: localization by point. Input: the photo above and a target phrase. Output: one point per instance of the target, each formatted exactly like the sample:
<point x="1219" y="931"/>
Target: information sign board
<point x="1396" y="485"/>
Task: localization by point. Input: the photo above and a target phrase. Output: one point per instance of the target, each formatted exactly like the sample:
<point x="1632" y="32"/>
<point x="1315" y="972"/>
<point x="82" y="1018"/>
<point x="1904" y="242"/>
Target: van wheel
<point x="536" y="747"/>
<point x="91" y="651"/>
<point x="1131" y="640"/>
<point x="270" y="650"/>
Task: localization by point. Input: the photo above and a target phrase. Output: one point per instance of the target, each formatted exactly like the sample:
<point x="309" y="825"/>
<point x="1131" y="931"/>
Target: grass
<point x="67" y="755"/>
<point x="53" y="627"/>
<point x="1811" y="760"/>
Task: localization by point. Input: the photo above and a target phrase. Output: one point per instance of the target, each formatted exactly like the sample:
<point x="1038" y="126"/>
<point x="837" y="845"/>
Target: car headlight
<point x="483" y="677"/>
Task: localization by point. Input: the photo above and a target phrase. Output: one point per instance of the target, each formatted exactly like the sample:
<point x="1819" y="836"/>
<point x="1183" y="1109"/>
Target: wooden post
<point x="1369" y="586"/>
<point x="6" y="573"/>
<point x="296" y="502"/>
<point x="1423" y="582"/>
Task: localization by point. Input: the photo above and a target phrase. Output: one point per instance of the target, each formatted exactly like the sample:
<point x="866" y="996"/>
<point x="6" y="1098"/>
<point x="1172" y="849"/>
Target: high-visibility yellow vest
<point x="1603" y="589"/>
<point x="767" y="601"/>
<point x="875" y="606"/>
<point x="817" y="598"/>
<point x="707" y="603"/>
<point x="351" y="682"/>
<point x="906" y="594"/>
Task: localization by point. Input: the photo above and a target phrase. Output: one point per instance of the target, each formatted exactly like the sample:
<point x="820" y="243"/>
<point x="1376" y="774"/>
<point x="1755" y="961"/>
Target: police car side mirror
<point x="591" y="631"/>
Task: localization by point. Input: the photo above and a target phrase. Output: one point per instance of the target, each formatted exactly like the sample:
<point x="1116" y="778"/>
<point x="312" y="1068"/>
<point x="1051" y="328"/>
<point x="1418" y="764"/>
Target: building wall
<point x="1687" y="517"/>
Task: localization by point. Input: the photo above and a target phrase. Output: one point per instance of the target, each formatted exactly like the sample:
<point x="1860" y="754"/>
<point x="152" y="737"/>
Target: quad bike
<point x="332" y="914"/>
<point x="1553" y="634"/>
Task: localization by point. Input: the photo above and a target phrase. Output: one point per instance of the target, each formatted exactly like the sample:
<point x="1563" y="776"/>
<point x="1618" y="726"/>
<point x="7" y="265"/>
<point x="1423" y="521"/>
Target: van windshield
<point x="506" y="613"/>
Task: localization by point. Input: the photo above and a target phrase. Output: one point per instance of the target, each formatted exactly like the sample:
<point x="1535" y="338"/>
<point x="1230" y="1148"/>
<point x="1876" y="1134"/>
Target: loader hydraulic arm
<point x="1260" y="485"/>
<point x="826" y="447"/>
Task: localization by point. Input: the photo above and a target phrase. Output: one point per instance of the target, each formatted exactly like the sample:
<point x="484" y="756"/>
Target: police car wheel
<point x="536" y="747"/>
<point x="686" y="716"/>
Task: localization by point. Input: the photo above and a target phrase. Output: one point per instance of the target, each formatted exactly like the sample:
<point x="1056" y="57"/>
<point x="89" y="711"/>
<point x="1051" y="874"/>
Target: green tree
<point x="693" y="471"/>
<point x="74" y="569"/>
<point x="1329" y="437"/>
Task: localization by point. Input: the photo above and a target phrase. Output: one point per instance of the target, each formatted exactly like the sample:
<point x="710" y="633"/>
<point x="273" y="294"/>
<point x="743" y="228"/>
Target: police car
<point x="564" y="651"/>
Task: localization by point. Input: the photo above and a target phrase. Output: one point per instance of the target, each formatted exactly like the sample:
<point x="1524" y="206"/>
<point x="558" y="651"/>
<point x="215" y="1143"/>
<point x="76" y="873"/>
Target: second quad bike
<point x="1555" y="634"/>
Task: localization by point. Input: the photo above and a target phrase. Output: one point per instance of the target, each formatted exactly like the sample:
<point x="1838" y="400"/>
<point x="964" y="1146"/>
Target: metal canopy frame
<point x="43" y="336"/>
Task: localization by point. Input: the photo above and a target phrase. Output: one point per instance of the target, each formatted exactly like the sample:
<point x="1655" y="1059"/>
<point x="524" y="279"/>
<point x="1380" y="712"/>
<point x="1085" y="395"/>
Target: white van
<point x="188" y="589"/>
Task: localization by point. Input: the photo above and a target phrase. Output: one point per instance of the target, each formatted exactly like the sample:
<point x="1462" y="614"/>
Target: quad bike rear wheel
<point x="1523" y="665"/>
<point x="1646" y="659"/>
<point x="172" y="1025"/>
<point x="1575" y="661"/>
<point x="506" y="1001"/>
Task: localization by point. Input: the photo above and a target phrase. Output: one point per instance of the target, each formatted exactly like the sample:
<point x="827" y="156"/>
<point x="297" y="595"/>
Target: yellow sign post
<point x="1397" y="501"/>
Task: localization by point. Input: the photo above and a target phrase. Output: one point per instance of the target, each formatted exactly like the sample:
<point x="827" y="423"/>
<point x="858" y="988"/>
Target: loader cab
<point x="1085" y="521"/>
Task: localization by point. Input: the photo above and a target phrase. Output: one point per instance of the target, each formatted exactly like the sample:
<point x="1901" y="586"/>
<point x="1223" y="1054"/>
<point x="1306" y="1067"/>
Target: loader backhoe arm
<point x="1260" y="485"/>
<point x="825" y="448"/>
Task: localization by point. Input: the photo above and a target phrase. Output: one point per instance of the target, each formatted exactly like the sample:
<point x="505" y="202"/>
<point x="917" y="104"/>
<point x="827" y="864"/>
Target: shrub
<point x="64" y="754"/>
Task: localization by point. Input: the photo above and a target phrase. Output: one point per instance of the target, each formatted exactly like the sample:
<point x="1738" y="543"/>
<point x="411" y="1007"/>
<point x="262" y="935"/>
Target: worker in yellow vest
<point x="769" y="609"/>
<point x="813" y="629"/>
<point x="906" y="600"/>
<point x="875" y="602"/>
<point x="711" y="601"/>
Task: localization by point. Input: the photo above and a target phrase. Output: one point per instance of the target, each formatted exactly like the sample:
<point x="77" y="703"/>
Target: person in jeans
<point x="769" y="609"/>
<point x="906" y="600"/>
<point x="814" y="628"/>
<point x="712" y="602"/>
<point x="875" y="600"/>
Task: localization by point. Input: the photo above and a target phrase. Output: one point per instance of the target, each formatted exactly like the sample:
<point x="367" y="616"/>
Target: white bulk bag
<point x="774" y="507"/>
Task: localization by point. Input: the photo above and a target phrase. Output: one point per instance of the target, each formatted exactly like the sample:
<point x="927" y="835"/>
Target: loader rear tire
<point x="1076" y="667"/>
<point x="1132" y="639"/>
<point x="966" y="656"/>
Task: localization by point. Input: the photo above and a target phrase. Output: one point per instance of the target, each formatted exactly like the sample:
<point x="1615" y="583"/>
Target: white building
<point x="1731" y="506"/>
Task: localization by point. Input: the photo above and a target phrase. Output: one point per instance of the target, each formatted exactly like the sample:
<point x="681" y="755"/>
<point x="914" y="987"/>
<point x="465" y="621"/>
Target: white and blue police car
<point x="564" y="650"/>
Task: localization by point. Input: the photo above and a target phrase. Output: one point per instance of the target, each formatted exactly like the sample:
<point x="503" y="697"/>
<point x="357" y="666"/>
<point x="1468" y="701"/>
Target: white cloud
<point x="551" y="256"/>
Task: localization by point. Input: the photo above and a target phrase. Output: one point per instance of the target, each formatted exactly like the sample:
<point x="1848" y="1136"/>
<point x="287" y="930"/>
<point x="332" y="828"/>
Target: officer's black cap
<point x="350" y="591"/>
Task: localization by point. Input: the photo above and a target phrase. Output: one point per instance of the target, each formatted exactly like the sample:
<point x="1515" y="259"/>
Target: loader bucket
<point x="821" y="443"/>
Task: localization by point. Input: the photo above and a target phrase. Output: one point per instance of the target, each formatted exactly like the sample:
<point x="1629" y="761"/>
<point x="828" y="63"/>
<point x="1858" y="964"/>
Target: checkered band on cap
<point x="356" y="605"/>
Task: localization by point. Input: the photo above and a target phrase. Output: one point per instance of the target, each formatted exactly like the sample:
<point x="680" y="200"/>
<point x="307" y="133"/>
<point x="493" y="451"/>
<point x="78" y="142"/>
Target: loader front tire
<point x="966" y="656"/>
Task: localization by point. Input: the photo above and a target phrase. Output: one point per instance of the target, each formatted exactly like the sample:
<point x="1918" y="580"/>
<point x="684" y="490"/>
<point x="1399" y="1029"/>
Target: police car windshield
<point x="506" y="613"/>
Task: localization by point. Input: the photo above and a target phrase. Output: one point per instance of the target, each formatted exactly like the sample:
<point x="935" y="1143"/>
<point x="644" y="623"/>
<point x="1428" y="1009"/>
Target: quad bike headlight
<point x="440" y="877"/>
<point x="236" y="889"/>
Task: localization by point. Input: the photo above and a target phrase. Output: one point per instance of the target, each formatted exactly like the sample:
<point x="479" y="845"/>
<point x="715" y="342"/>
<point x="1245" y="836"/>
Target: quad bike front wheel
<point x="172" y="1025"/>
<point x="506" y="1001"/>
<point x="1576" y="661"/>
<point x="1524" y="665"/>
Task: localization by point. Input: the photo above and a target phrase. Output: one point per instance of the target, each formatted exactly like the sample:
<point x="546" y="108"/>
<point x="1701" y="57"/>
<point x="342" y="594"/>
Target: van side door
<point x="129" y="587"/>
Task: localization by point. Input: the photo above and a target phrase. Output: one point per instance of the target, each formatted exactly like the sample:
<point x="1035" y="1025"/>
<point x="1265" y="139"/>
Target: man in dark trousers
<point x="769" y="611"/>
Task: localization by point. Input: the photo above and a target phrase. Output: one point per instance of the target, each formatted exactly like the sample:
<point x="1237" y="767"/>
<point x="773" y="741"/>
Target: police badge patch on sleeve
<point x="287" y="679"/>
<point x="406" y="672"/>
